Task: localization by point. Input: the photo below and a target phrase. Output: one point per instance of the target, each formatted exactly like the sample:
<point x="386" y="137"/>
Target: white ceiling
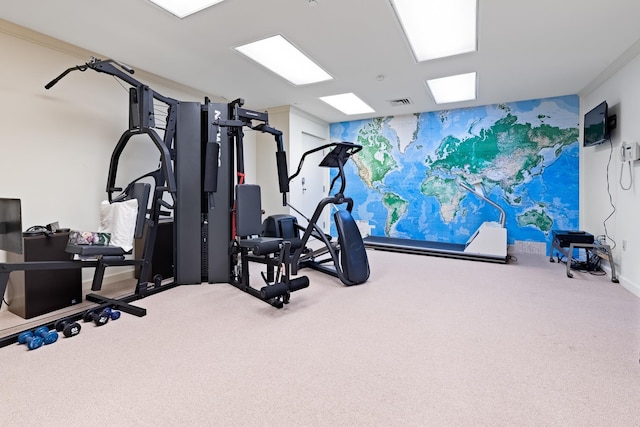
<point x="526" y="49"/>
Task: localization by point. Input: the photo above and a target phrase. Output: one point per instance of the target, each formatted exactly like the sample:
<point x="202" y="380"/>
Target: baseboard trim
<point x="632" y="287"/>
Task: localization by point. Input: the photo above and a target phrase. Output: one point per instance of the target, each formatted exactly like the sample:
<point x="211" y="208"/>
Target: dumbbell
<point x="99" y="316"/>
<point x="68" y="327"/>
<point x="113" y="314"/>
<point x="49" y="337"/>
<point x="30" y="340"/>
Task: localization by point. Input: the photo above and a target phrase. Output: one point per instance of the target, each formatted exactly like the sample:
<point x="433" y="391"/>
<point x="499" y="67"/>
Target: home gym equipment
<point x="196" y="158"/>
<point x="68" y="327"/>
<point x="99" y="316"/>
<point x="32" y="341"/>
<point x="488" y="243"/>
<point x="48" y="336"/>
<point x="113" y="314"/>
<point x="347" y="258"/>
<point x="274" y="252"/>
<point x="246" y="210"/>
<point x="150" y="202"/>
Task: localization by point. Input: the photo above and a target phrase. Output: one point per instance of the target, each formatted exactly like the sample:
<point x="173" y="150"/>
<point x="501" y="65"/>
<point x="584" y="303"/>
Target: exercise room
<point x="320" y="213"/>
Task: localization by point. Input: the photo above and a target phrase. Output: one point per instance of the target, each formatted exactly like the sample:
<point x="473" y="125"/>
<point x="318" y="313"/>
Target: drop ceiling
<point x="526" y="49"/>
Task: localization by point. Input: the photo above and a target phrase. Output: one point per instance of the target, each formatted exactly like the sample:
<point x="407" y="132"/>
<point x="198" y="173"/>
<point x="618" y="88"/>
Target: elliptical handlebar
<point x="336" y="158"/>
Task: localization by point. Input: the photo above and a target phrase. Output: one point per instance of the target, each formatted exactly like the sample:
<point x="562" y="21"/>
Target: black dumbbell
<point x="49" y="337"/>
<point x="99" y="316"/>
<point x="68" y="327"/>
<point x="30" y="340"/>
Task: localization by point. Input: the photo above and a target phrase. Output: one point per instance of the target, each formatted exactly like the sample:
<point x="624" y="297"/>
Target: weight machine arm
<point x="140" y="118"/>
<point x="241" y="117"/>
<point x="106" y="66"/>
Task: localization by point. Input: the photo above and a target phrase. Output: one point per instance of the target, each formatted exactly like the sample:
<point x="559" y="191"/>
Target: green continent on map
<point x="396" y="207"/>
<point x="374" y="161"/>
<point x="446" y="190"/>
<point x="536" y="218"/>
<point x="506" y="154"/>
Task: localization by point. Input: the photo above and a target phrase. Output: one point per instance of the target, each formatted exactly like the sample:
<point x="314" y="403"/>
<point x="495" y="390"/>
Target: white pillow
<point x="119" y="219"/>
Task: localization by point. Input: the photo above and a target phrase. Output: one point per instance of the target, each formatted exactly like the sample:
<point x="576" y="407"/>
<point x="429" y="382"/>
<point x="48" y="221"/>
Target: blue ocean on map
<point x="533" y="176"/>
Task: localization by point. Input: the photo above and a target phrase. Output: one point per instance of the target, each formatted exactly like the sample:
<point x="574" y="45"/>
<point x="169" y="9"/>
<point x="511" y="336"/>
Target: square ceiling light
<point x="461" y="87"/>
<point x="438" y="28"/>
<point x="278" y="55"/>
<point x="183" y="8"/>
<point x="348" y="103"/>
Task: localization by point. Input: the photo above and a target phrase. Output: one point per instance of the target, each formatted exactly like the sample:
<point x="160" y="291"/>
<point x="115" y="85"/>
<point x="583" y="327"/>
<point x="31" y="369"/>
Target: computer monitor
<point x="10" y="225"/>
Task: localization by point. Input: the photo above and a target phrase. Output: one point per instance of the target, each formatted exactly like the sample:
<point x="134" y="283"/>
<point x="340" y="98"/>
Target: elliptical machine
<point x="344" y="258"/>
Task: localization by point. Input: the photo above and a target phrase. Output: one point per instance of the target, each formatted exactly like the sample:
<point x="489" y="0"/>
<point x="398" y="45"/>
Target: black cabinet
<point x="32" y="293"/>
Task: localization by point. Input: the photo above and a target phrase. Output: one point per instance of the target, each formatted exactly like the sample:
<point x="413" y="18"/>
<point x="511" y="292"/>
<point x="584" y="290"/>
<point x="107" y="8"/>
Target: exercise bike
<point x="344" y="257"/>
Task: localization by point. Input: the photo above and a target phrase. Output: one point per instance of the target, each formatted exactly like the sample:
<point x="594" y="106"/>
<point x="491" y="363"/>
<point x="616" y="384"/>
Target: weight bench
<point x="272" y="251"/>
<point x="107" y="255"/>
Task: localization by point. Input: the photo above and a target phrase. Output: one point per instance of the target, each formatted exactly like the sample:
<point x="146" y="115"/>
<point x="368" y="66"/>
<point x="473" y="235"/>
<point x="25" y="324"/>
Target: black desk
<point x="32" y="293"/>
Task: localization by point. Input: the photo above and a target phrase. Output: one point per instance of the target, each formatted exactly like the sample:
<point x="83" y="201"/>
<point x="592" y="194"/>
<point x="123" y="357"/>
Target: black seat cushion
<point x="95" y="250"/>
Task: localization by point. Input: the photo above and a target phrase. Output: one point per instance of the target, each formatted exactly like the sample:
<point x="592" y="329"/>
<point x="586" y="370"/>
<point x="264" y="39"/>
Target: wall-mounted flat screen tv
<point x="596" y="125"/>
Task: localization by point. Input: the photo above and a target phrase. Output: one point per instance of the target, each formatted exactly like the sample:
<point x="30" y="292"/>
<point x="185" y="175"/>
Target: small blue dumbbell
<point x="49" y="337"/>
<point x="113" y="314"/>
<point x="30" y="340"/>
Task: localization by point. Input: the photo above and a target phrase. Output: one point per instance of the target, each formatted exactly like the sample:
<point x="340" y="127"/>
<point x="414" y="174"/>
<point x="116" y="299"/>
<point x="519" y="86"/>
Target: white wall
<point x="600" y="178"/>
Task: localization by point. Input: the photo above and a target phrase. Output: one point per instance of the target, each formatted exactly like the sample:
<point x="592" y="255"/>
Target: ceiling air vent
<point x="399" y="102"/>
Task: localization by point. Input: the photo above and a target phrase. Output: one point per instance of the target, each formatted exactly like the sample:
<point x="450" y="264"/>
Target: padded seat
<point x="261" y="245"/>
<point x="137" y="190"/>
<point x="249" y="223"/>
<point x="95" y="250"/>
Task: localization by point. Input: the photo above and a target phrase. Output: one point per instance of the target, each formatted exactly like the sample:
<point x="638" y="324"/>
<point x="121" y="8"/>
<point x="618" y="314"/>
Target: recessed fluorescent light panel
<point x="284" y="59"/>
<point x="461" y="87"/>
<point x="348" y="103"/>
<point x="184" y="8"/>
<point x="438" y="28"/>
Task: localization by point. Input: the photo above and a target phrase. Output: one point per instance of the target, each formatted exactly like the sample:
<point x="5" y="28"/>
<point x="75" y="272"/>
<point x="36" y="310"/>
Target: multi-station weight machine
<point x="214" y="238"/>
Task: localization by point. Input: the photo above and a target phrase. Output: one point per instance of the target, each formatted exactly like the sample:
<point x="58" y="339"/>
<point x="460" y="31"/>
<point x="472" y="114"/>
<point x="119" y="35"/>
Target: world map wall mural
<point x="524" y="155"/>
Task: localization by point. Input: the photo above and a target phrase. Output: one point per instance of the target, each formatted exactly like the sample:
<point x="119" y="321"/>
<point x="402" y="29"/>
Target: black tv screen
<point x="10" y="225"/>
<point x="596" y="127"/>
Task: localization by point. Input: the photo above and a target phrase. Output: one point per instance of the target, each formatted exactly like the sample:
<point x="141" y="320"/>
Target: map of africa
<point x="524" y="155"/>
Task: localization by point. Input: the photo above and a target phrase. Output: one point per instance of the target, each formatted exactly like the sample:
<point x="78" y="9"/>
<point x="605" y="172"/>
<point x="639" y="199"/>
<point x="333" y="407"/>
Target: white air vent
<point x="399" y="102"/>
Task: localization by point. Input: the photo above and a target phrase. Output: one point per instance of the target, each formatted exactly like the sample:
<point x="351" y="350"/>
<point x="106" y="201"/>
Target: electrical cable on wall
<point x="604" y="223"/>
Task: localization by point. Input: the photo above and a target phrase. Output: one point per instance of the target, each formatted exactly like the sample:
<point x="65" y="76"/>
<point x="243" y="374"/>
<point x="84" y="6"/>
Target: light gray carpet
<point x="426" y="342"/>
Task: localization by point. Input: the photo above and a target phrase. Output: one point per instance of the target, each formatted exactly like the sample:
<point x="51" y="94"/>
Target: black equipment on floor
<point x="344" y="258"/>
<point x="247" y="245"/>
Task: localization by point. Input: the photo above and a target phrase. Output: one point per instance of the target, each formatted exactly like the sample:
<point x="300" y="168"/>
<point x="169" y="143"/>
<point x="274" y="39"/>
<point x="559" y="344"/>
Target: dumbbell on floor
<point x="30" y="340"/>
<point x="99" y="317"/>
<point x="69" y="328"/>
<point x="113" y="314"/>
<point x="49" y="337"/>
